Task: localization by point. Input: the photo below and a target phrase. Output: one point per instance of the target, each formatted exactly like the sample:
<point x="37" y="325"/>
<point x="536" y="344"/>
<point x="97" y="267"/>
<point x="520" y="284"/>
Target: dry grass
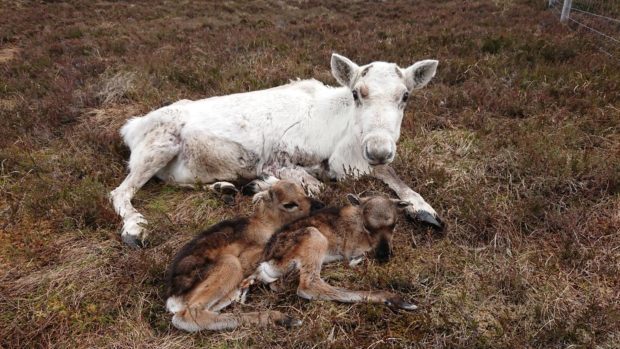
<point x="516" y="142"/>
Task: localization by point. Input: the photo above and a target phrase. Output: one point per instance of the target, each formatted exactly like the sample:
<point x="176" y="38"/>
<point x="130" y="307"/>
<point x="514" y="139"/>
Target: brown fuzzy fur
<point x="332" y="234"/>
<point x="204" y="276"/>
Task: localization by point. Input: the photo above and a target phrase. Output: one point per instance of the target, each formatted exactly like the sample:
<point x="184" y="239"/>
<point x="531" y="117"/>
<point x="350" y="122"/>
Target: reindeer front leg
<point x="295" y="174"/>
<point x="420" y="209"/>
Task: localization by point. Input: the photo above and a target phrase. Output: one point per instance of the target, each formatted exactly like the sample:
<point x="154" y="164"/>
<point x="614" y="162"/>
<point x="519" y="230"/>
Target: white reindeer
<point x="295" y="131"/>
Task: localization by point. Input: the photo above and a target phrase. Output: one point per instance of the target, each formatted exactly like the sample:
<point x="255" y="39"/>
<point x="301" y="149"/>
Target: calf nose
<point x="383" y="251"/>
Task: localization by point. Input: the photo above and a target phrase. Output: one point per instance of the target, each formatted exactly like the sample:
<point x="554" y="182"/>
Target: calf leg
<point x="263" y="182"/>
<point x="295" y="174"/>
<point x="299" y="175"/>
<point x="308" y="255"/>
<point x="193" y="320"/>
<point x="220" y="288"/>
<point x="145" y="161"/>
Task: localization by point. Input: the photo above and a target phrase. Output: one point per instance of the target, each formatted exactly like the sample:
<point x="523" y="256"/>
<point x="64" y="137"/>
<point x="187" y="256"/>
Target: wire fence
<point x="600" y="18"/>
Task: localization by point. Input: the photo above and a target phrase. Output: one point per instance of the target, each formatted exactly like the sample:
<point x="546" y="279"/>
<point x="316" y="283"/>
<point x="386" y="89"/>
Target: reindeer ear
<point x="420" y="73"/>
<point x="401" y="204"/>
<point x="343" y="69"/>
<point x="354" y="199"/>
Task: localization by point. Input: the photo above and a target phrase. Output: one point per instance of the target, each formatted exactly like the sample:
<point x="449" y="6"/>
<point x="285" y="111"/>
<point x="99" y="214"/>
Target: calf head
<point x="379" y="218"/>
<point x="380" y="91"/>
<point x="284" y="202"/>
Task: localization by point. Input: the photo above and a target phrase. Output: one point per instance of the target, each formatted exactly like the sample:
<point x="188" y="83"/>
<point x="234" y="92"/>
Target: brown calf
<point x="334" y="234"/>
<point x="205" y="275"/>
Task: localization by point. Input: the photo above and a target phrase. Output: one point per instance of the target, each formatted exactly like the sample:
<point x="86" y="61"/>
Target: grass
<point x="516" y="143"/>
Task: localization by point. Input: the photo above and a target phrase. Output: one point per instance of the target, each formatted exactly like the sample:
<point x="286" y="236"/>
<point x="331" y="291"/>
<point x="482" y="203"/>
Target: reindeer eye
<point x="355" y="95"/>
<point x="405" y="96"/>
<point x="290" y="205"/>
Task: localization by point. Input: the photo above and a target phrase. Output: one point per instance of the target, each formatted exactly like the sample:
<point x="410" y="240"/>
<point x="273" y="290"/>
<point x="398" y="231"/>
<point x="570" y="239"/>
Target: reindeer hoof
<point x="227" y="191"/>
<point x="133" y="240"/>
<point x="229" y="200"/>
<point x="428" y="219"/>
<point x="250" y="188"/>
<point x="134" y="231"/>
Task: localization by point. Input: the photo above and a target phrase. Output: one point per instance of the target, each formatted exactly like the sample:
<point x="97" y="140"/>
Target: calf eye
<point x="355" y="95"/>
<point x="405" y="97"/>
<point x="290" y="205"/>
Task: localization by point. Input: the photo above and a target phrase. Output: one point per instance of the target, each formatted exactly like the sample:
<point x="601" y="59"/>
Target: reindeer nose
<point x="378" y="153"/>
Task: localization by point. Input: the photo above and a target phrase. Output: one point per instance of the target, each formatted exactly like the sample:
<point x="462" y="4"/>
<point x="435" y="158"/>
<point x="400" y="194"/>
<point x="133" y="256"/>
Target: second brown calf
<point x="331" y="234"/>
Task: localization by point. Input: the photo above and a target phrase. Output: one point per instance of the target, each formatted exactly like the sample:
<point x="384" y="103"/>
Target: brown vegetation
<point x="516" y="142"/>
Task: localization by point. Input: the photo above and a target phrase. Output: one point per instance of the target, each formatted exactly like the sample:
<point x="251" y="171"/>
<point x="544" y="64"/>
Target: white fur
<point x="181" y="324"/>
<point x="285" y="131"/>
<point x="267" y="273"/>
<point x="174" y="304"/>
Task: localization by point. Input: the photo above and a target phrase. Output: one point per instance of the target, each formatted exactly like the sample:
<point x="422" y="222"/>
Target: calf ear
<point x="420" y="73"/>
<point x="354" y="199"/>
<point x="264" y="195"/>
<point x="343" y="69"/>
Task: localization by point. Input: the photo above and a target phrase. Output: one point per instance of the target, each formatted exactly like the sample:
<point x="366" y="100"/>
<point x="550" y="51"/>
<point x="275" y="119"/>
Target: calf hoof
<point x="399" y="303"/>
<point x="289" y="322"/>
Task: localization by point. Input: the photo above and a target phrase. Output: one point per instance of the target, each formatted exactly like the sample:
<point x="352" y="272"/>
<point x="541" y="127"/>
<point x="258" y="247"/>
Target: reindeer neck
<point x="332" y="117"/>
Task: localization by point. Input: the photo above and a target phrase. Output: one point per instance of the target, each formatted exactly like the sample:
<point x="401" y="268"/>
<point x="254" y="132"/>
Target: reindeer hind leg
<point x="146" y="159"/>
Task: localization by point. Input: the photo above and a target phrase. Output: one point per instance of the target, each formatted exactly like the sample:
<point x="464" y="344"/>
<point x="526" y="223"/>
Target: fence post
<point x="566" y="10"/>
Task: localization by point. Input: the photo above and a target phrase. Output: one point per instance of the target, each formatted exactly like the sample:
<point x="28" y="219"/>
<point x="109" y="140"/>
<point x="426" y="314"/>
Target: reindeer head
<point x="284" y="202"/>
<point x="379" y="216"/>
<point x="380" y="91"/>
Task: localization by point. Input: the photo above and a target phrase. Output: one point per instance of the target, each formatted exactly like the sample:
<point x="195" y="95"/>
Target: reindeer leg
<point x="226" y="190"/>
<point x="145" y="161"/>
<point x="420" y="210"/>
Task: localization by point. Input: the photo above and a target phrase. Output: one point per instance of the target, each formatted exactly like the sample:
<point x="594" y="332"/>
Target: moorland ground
<point x="516" y="143"/>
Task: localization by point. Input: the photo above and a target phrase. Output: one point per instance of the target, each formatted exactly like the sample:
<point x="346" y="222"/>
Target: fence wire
<point x="596" y="15"/>
<point x="612" y="40"/>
